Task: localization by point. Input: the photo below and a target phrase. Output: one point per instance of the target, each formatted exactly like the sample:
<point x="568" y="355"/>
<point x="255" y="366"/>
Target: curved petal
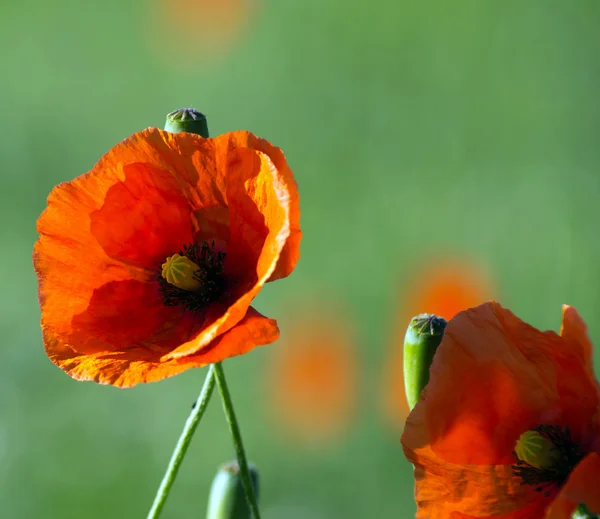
<point x="583" y="486"/>
<point x="110" y="225"/>
<point x="259" y="225"/>
<point x="139" y="365"/>
<point x="94" y="286"/>
<point x="144" y="218"/>
<point x="68" y="279"/>
<point x="126" y="314"/>
<point x="533" y="510"/>
<point x="291" y="250"/>
<point x="195" y="164"/>
<point x="443" y="488"/>
<point x="574" y="330"/>
<point x="492" y="378"/>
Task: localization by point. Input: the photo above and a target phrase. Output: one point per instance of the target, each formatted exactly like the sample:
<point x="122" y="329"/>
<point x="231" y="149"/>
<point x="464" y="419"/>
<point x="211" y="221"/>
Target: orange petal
<point x="68" y="281"/>
<point x="144" y="218"/>
<point x="532" y="510"/>
<point x="444" y="489"/>
<point x="583" y="486"/>
<point x="264" y="225"/>
<point x="112" y="224"/>
<point x="492" y="378"/>
<point x="137" y="365"/>
<point x="121" y="315"/>
<point x="574" y="330"/>
<point x="259" y="215"/>
<point x="291" y="251"/>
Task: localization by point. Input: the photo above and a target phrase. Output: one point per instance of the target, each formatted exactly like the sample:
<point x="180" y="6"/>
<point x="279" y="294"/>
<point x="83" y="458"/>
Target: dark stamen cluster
<point x="544" y="479"/>
<point x="210" y="276"/>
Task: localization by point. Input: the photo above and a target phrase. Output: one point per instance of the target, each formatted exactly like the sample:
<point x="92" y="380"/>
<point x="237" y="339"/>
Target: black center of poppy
<point x="209" y="275"/>
<point x="568" y="456"/>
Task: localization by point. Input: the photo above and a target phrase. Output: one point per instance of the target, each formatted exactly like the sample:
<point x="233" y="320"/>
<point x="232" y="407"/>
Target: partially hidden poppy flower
<point x="147" y="265"/>
<point x="444" y="287"/>
<point x="312" y="379"/>
<point x="508" y="426"/>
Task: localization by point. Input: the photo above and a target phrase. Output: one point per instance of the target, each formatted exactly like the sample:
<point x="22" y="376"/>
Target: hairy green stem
<point x="183" y="444"/>
<point x="237" y="440"/>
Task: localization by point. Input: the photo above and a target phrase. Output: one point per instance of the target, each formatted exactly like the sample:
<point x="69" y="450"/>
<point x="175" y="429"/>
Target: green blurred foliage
<point x="464" y="127"/>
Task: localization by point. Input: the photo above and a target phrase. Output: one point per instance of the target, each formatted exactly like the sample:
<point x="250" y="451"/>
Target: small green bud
<point x="583" y="512"/>
<point x="227" y="499"/>
<point x="422" y="338"/>
<point x="187" y="120"/>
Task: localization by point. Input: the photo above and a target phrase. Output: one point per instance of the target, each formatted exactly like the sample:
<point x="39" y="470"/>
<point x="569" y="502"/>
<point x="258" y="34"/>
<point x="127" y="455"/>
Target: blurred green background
<point x="416" y="130"/>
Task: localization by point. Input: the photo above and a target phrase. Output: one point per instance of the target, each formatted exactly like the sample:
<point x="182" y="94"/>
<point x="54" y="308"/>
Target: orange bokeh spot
<point x="443" y="287"/>
<point x="184" y="31"/>
<point x="447" y="289"/>
<point x="312" y="380"/>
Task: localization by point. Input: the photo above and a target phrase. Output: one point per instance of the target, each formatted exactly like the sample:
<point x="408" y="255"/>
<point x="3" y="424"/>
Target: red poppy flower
<point x="508" y="425"/>
<point x="147" y="264"/>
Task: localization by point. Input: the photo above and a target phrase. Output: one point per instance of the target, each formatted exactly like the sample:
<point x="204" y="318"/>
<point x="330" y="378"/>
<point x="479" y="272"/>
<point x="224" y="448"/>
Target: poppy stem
<point x="183" y="444"/>
<point x="234" y="428"/>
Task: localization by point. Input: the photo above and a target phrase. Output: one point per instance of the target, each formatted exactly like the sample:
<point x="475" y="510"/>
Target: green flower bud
<point x="583" y="512"/>
<point x="227" y="499"/>
<point x="187" y="120"/>
<point x="422" y="338"/>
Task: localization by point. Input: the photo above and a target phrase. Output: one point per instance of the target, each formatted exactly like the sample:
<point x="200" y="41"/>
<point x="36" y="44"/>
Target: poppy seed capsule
<point x="227" y="499"/>
<point x="179" y="271"/>
<point x="187" y="120"/>
<point x="423" y="336"/>
<point x="537" y="450"/>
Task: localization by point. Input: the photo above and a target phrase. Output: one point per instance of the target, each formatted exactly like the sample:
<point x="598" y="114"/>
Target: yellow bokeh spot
<point x="179" y="271"/>
<point x="537" y="450"/>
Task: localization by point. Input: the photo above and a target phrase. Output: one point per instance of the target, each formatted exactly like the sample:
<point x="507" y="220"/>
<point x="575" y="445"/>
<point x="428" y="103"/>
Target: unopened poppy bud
<point x="227" y="499"/>
<point x="583" y="512"/>
<point x="179" y="271"/>
<point x="187" y="120"/>
<point x="422" y="338"/>
<point x="537" y="450"/>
